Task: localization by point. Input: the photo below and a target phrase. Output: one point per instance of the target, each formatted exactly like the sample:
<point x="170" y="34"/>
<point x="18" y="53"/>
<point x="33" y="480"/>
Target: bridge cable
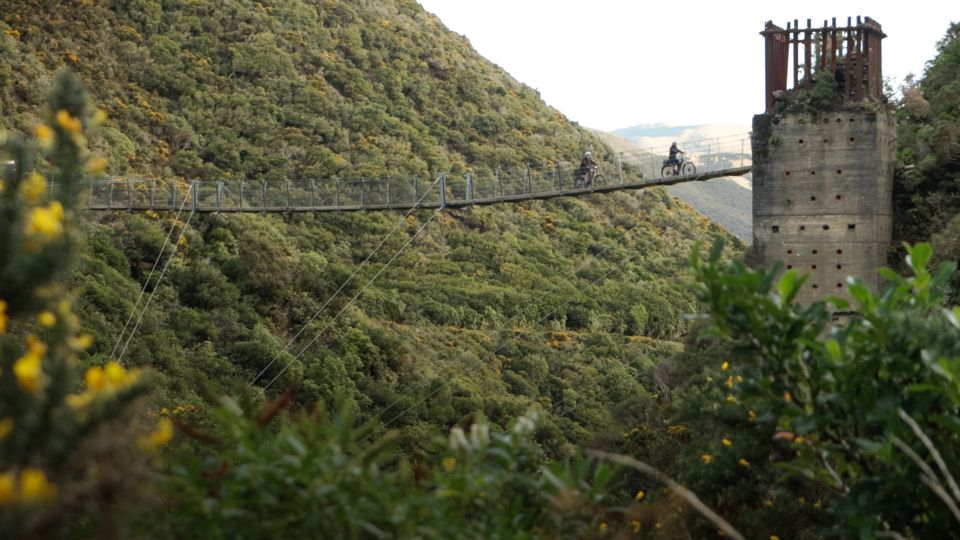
<point x="343" y="285"/>
<point x="143" y="289"/>
<point x="352" y="300"/>
<point x="146" y="304"/>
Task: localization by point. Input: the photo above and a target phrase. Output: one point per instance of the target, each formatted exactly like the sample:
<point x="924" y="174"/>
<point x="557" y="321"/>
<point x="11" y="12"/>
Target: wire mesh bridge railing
<point x="712" y="158"/>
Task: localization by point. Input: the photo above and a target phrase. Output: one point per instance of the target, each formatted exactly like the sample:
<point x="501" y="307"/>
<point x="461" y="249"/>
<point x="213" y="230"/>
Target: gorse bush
<point x="54" y="415"/>
<point x="869" y="408"/>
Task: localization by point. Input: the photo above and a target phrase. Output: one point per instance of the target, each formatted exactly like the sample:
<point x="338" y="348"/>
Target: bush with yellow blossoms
<point x="51" y="408"/>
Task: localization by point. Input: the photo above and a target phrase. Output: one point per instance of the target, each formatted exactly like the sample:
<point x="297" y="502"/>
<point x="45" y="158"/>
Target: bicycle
<point x="681" y="168"/>
<point x="591" y="177"/>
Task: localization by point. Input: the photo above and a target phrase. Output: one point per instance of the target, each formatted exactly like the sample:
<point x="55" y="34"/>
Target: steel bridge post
<point x="416" y="189"/>
<point x="313" y="194"/>
<point x="529" y="180"/>
<point x="469" y="193"/>
<point x="194" y="187"/>
<point x="153" y="192"/>
<point x="110" y="197"/>
<point x="338" y="193"/>
<point x="443" y="190"/>
<point x="263" y="200"/>
<point x="363" y="189"/>
<point x="219" y="193"/>
<point x="620" y="166"/>
<point x="500" y="182"/>
<point x="129" y="194"/>
<point x="289" y="201"/>
<point x="173" y="195"/>
<point x="241" y="195"/>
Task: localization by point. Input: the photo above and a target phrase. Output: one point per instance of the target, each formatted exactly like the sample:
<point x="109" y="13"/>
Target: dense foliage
<point x="276" y="90"/>
<point x="927" y="188"/>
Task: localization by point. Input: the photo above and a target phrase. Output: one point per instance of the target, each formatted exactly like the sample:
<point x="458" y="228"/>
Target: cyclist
<point x="586" y="168"/>
<point x="673" y="157"/>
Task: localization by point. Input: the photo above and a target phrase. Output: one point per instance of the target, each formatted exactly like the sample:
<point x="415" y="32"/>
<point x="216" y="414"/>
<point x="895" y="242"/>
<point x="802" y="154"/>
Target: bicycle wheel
<point x="666" y="171"/>
<point x="578" y="182"/>
<point x="689" y="168"/>
<point x="599" y="180"/>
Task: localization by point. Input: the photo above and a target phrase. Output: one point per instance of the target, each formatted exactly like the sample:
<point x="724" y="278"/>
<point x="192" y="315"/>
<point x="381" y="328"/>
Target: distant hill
<point x="727" y="201"/>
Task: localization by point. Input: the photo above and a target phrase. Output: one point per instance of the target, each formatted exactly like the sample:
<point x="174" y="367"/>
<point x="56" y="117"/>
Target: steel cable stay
<point x="143" y="290"/>
<point x="352" y="300"/>
<point x="146" y="304"/>
<point x="552" y="312"/>
<point x="343" y="285"/>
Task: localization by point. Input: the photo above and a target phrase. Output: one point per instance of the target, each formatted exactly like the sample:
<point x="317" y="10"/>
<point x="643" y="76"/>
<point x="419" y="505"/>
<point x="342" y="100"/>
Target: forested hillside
<point x="468" y="358"/>
<point x="928" y="186"/>
<point x="554" y="304"/>
<point x="277" y="90"/>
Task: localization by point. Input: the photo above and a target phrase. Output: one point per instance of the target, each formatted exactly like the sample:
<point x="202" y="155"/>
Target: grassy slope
<point x="561" y="304"/>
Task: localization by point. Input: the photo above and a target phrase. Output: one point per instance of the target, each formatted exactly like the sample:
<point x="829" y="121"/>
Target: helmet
<point x="587" y="154"/>
<point x="674" y="143"/>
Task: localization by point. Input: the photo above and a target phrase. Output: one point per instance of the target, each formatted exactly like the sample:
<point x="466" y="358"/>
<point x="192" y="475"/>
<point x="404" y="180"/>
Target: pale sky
<point x="610" y="64"/>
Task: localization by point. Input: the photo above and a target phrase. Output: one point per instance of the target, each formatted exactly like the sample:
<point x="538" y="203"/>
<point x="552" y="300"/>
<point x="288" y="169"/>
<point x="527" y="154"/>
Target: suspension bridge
<point x="641" y="169"/>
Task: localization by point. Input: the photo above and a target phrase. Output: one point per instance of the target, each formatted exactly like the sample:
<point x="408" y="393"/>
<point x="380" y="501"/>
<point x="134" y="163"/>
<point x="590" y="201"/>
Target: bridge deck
<point x="127" y="198"/>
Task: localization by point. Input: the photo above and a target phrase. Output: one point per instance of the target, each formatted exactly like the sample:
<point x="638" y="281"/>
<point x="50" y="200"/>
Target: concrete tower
<point x="823" y="157"/>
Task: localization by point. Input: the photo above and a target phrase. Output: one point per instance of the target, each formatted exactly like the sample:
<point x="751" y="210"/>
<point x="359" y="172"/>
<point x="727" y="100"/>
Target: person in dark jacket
<point x="673" y="157"/>
<point x="585" y="170"/>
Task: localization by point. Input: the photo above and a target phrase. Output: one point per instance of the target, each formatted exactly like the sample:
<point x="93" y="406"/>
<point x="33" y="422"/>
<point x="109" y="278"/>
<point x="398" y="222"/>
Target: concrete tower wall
<point x="822" y="195"/>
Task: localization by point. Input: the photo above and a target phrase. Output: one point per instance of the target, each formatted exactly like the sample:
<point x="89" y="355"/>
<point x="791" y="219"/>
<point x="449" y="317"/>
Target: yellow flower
<point x="639" y="496"/>
<point x="729" y="382"/>
<point x="636" y="526"/>
<point x="68" y="123"/>
<point x="160" y="436"/>
<point x="800" y="440"/>
<point x="6" y="426"/>
<point x="727" y="442"/>
<point x="95" y="378"/>
<point x="739" y="378"/>
<point x="47" y="222"/>
<point x="788" y="397"/>
<point x="47" y="319"/>
<point x="768" y="503"/>
<point x="751" y="416"/>
<point x="817" y="504"/>
<point x="45" y="136"/>
<point x="117" y="376"/>
<point x="97" y="165"/>
<point x="6" y="488"/>
<point x="1" y="186"/>
<point x="774" y="537"/>
<point x="744" y="463"/>
<point x="80" y="401"/>
<point x="449" y="463"/>
<point x="725" y="366"/>
<point x="99" y="117"/>
<point x="34" y="487"/>
<point x="34" y="187"/>
<point x="731" y="399"/>
<point x="603" y="526"/>
<point x="81" y="342"/>
<point x="707" y="458"/>
<point x="27" y="368"/>
<point x="3" y="317"/>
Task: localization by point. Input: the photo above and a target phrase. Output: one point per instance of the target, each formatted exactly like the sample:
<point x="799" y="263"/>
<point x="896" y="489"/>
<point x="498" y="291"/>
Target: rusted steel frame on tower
<point x="776" y="51"/>
<point x="795" y="39"/>
<point x="848" y="62"/>
<point x="807" y="52"/>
